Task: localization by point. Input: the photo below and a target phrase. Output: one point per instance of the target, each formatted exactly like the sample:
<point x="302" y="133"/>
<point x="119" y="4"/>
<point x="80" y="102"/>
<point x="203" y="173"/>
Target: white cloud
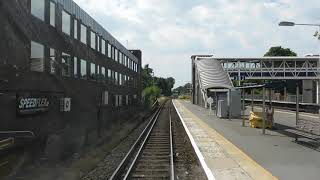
<point x="169" y="32"/>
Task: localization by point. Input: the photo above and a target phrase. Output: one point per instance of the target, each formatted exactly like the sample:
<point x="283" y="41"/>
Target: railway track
<point x="151" y="156"/>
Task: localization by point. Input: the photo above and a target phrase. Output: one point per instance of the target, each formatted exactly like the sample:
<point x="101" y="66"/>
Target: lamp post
<point x="317" y="34"/>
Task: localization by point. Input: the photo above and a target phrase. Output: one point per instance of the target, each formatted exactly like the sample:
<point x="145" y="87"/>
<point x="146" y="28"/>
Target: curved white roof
<point x="212" y="74"/>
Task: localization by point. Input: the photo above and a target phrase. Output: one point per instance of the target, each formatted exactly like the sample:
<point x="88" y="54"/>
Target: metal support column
<point x="243" y="108"/>
<point x="229" y="103"/>
<point x="252" y="93"/>
<point x="263" y="110"/>
<point x="297" y="103"/>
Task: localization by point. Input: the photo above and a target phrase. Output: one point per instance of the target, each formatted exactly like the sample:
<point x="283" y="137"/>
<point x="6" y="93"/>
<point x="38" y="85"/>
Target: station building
<point x="62" y="73"/>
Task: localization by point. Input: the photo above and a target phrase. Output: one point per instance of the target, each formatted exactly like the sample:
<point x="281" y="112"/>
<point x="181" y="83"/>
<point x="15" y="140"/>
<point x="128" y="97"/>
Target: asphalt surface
<point x="275" y="151"/>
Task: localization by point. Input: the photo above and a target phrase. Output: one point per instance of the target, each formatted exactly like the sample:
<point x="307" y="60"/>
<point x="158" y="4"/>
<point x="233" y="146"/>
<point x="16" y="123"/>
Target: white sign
<point x="210" y="100"/>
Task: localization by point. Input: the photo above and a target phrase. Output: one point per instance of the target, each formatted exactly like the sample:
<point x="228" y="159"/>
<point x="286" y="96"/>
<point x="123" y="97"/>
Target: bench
<point x="307" y="128"/>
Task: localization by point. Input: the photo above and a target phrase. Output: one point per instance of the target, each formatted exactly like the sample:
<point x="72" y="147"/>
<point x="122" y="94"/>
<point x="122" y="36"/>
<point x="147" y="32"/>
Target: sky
<point x="169" y="31"/>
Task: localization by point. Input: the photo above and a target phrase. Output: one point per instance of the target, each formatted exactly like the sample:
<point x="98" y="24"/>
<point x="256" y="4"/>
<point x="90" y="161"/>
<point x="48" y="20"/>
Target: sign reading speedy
<point x="32" y="105"/>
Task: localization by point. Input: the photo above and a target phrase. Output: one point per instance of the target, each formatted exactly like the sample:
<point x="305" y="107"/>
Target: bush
<point x="151" y="94"/>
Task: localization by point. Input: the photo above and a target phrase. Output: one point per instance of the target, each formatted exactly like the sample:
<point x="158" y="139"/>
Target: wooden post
<point x="252" y="93"/>
<point x="263" y="111"/>
<point x="297" y="103"/>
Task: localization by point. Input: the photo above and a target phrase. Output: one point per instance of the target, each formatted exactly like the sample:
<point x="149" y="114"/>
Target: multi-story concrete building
<point x="63" y="73"/>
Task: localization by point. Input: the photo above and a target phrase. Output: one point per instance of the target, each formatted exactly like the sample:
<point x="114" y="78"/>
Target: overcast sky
<point x="169" y="31"/>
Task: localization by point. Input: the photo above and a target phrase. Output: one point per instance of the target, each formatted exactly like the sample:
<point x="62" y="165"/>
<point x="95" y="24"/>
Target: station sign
<point x="27" y="105"/>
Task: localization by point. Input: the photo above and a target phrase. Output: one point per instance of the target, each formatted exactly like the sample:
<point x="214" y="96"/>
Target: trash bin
<point x="255" y="120"/>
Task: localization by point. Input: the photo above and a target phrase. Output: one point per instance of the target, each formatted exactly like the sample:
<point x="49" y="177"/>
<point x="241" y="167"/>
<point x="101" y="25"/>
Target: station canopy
<point x="211" y="74"/>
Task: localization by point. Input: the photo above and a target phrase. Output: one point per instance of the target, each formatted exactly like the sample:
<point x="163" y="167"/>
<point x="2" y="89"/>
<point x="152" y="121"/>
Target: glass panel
<point x="116" y="78"/>
<point x="66" y="65"/>
<point x="53" y="62"/>
<point x="83" y="69"/>
<point x="75" y="24"/>
<point x="92" y="71"/>
<point x="37" y="57"/>
<point x="98" y="43"/>
<point x="52" y="14"/>
<point x="37" y="8"/>
<point x="93" y="40"/>
<point x="66" y="22"/>
<point x="103" y="73"/>
<point x="75" y="67"/>
<point x="103" y="46"/>
<point x="109" y="73"/>
<point x="116" y="55"/>
<point x="109" y="50"/>
<point x="83" y="34"/>
<point x="112" y="52"/>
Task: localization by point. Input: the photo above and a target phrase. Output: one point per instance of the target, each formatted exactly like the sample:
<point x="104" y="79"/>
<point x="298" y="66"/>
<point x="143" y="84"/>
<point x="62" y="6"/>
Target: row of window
<point x="96" y="42"/>
<point x="75" y="67"/>
<point x="117" y="100"/>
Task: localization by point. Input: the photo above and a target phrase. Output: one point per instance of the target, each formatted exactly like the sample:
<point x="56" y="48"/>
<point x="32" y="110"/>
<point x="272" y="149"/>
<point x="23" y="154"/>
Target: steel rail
<point x="142" y="145"/>
<point x="171" y="148"/>
<point x="122" y="164"/>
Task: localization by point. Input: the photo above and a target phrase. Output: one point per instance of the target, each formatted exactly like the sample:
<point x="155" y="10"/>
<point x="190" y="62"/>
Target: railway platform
<point x="230" y="151"/>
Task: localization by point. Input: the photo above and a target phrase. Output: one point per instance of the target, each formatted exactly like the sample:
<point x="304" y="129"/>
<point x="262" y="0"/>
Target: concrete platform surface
<point x="235" y="152"/>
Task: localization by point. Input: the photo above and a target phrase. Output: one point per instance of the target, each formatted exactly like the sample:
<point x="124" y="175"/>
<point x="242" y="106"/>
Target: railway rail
<point x="161" y="151"/>
<point x="151" y="156"/>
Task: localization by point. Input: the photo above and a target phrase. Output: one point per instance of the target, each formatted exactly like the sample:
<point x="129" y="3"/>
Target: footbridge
<point x="306" y="69"/>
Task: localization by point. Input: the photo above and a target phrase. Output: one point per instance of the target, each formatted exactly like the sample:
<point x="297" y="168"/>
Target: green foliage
<point x="185" y="89"/>
<point x="146" y="74"/>
<point x="151" y="94"/>
<point x="279" y="51"/>
<point x="164" y="84"/>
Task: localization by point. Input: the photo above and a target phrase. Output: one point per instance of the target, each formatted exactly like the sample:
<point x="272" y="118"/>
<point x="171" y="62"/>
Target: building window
<point x="127" y="99"/>
<point x="112" y="52"/>
<point x="92" y="71"/>
<point x="116" y="55"/>
<point x="83" y="34"/>
<point x="120" y="79"/>
<point x="75" y="67"/>
<point x="83" y="69"/>
<point x="66" y="22"/>
<point x="53" y="62"/>
<point x="93" y="40"/>
<point x="116" y="78"/>
<point x="105" y="97"/>
<point x="37" y="57"/>
<point x="98" y="43"/>
<point x="109" y="74"/>
<point x="75" y="32"/>
<point x="103" y="46"/>
<point x="126" y="61"/>
<point x="120" y="100"/>
<point x="66" y="65"/>
<point x="52" y="14"/>
<point x="103" y="73"/>
<point x="109" y="50"/>
<point x="37" y="8"/>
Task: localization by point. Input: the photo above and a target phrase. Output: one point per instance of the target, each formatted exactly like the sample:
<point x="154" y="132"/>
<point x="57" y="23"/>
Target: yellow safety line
<point x="203" y="124"/>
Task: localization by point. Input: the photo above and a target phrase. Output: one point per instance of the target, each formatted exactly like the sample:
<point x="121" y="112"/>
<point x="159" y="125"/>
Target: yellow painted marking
<point x="254" y="170"/>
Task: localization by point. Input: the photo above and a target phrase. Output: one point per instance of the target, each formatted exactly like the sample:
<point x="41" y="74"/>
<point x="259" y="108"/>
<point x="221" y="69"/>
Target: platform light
<point x="286" y="23"/>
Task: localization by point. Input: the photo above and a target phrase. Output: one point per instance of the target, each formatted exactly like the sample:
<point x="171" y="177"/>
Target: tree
<point x="182" y="90"/>
<point x="279" y="51"/>
<point x="147" y="79"/>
